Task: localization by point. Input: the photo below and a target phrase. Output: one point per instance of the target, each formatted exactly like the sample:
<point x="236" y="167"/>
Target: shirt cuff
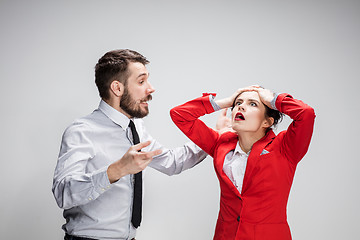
<point x="272" y="103"/>
<point x="213" y="103"/>
<point x="100" y="180"/>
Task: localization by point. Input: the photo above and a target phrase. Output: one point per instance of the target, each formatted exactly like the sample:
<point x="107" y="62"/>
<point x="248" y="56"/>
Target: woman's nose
<point x="241" y="107"/>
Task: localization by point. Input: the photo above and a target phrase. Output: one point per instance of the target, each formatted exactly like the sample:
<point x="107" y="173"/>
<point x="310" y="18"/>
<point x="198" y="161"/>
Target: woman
<point x="255" y="167"/>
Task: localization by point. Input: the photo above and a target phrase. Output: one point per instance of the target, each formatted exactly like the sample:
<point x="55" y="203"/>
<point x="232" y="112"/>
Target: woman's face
<point x="248" y="114"/>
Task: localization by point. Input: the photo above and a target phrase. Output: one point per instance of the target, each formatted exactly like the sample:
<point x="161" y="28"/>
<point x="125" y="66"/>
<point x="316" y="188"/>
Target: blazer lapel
<point x="226" y="146"/>
<point x="254" y="157"/>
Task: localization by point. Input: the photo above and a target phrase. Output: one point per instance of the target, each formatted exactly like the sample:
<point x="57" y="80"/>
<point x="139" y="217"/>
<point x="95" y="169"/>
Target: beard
<point x="131" y="107"/>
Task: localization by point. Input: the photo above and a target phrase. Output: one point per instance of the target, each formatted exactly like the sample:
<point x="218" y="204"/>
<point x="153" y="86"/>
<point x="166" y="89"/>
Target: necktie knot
<point x="135" y="135"/>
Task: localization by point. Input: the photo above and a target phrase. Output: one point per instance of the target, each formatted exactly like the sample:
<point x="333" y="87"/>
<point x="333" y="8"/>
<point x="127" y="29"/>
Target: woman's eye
<point x="253" y="104"/>
<point x="238" y="103"/>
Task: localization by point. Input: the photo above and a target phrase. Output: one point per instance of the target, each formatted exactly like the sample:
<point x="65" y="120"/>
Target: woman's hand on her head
<point x="228" y="102"/>
<point x="266" y="95"/>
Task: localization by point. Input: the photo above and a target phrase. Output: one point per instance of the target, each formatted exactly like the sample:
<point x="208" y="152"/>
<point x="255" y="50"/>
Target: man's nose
<point x="150" y="89"/>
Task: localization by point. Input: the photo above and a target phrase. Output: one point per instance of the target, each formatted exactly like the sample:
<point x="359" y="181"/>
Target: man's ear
<point x="117" y="88"/>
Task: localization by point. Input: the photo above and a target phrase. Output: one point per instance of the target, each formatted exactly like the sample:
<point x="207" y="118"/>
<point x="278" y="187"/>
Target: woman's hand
<point x="266" y="96"/>
<point x="228" y="102"/>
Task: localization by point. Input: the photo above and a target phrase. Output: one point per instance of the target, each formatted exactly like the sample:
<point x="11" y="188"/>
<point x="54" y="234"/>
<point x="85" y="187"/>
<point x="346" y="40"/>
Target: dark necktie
<point x="137" y="201"/>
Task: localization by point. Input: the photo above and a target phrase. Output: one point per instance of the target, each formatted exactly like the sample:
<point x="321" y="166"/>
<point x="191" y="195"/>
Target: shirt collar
<point x="116" y="116"/>
<point x="240" y="151"/>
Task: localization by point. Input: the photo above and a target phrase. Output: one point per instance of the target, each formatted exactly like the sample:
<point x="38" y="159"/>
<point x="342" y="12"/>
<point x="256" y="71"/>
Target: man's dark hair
<point x="114" y="66"/>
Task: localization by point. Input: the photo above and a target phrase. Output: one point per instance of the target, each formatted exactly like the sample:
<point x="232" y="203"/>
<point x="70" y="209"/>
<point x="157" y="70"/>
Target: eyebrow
<point x="253" y="100"/>
<point x="249" y="100"/>
<point x="143" y="74"/>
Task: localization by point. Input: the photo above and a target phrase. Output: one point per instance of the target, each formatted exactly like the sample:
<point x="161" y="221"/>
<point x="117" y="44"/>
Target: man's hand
<point x="223" y="123"/>
<point x="132" y="162"/>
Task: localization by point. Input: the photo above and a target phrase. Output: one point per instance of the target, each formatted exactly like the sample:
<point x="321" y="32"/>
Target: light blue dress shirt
<point x="92" y="206"/>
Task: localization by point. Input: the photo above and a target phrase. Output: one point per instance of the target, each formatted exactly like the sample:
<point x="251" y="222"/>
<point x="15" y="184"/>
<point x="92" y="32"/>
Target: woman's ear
<point x="268" y="122"/>
<point x="116" y="88"/>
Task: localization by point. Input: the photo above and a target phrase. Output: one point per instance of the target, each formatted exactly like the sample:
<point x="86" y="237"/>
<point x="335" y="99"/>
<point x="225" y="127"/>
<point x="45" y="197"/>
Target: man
<point x="101" y="159"/>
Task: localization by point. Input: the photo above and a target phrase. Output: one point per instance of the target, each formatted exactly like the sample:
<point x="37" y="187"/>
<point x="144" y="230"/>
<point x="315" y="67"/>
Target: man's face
<point x="137" y="92"/>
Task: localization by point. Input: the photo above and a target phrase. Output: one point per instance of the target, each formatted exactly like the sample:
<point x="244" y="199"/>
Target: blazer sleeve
<point x="298" y="135"/>
<point x="186" y="119"/>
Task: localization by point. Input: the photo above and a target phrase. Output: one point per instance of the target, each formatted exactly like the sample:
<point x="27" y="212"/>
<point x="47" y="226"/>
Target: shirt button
<point x="90" y="198"/>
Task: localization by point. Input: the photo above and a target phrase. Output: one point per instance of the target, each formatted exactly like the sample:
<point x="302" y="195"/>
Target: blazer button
<point x="238" y="218"/>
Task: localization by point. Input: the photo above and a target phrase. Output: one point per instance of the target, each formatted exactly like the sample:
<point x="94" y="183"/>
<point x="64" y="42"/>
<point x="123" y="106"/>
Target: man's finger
<point x="223" y="112"/>
<point x="149" y="155"/>
<point x="141" y="145"/>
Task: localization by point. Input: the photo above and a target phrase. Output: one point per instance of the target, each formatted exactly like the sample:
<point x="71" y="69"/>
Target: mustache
<point x="147" y="98"/>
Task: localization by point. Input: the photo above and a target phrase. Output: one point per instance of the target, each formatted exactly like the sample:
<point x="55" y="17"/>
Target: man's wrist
<point x="114" y="172"/>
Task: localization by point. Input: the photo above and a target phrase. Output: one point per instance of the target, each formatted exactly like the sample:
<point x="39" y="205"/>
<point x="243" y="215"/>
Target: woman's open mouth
<point x="239" y="117"/>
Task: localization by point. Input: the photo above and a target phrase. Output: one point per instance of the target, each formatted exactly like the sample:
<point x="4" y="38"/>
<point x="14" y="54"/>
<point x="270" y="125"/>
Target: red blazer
<point x="259" y="212"/>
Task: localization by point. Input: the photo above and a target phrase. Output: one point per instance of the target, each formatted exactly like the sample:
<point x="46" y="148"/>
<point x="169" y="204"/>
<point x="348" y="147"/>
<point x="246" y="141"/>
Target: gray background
<point x="308" y="48"/>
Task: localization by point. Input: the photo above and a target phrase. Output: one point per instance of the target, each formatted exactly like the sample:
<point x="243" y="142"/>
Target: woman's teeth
<point x="239" y="117"/>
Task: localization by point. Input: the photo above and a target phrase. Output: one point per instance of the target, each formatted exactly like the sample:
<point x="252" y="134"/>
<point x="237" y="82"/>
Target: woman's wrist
<point x="224" y="103"/>
<point x="273" y="101"/>
<point x="213" y="103"/>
